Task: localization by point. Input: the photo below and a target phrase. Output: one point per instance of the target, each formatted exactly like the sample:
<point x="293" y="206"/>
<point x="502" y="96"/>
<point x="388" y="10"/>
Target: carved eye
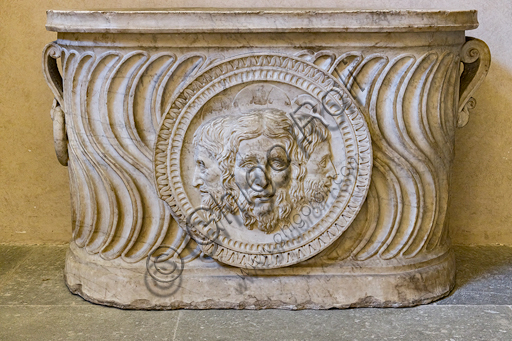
<point x="248" y="164"/>
<point x="200" y="163"/>
<point x="323" y="163"/>
<point x="278" y="164"/>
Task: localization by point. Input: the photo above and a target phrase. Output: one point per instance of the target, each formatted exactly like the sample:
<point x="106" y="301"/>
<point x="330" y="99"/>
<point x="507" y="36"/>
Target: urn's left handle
<point x="51" y="53"/>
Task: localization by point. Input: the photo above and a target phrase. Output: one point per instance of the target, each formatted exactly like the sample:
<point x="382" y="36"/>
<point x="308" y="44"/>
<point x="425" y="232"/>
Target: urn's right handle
<point x="476" y="57"/>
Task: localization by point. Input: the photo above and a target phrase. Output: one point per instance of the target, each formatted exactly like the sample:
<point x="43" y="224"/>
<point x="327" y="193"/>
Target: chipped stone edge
<point x="250" y="302"/>
<point x="367" y="302"/>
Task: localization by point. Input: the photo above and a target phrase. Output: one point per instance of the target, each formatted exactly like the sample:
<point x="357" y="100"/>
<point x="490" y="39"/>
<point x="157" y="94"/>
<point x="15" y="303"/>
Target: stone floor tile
<point x="84" y="323"/>
<point x="484" y="276"/>
<point x="39" y="280"/>
<point x="419" y="323"/>
<point x="11" y="256"/>
<point x="35" y="304"/>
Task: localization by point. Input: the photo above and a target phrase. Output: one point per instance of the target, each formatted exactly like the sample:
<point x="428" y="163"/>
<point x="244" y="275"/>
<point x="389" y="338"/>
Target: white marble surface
<point x="259" y="20"/>
<point x="134" y="98"/>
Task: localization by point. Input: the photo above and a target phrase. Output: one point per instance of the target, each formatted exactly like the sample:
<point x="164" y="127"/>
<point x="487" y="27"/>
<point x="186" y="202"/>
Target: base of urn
<point x="209" y="285"/>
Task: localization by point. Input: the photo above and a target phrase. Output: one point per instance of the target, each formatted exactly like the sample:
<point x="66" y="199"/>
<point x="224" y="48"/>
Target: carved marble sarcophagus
<point x="253" y="159"/>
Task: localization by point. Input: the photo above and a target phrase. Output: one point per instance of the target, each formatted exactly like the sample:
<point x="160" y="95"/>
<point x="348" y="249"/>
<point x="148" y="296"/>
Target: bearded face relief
<point x="247" y="164"/>
<point x="207" y="177"/>
<point x="320" y="174"/>
<point x="254" y="164"/>
<point x="260" y="147"/>
<point x="316" y="151"/>
<point x="263" y="177"/>
<point x="209" y="144"/>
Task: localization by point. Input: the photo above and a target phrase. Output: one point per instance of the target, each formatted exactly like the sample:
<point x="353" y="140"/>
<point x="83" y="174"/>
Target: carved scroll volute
<point x="476" y="57"/>
<point x="51" y="53"/>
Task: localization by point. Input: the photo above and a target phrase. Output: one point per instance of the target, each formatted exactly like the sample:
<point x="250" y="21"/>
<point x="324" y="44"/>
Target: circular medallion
<point x="264" y="159"/>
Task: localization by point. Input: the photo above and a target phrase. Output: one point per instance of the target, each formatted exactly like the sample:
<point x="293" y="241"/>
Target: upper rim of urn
<point x="209" y="20"/>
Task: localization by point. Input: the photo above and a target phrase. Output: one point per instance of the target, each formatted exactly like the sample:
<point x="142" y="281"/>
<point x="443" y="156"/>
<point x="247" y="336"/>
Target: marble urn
<point x="252" y="159"/>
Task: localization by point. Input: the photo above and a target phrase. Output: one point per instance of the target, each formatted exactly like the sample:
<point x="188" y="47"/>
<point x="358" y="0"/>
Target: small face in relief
<point x="252" y="164"/>
<point x="206" y="175"/>
<point x="208" y="146"/>
<point x="317" y="155"/>
<point x="262" y="169"/>
<point x="320" y="173"/>
<point x="261" y="144"/>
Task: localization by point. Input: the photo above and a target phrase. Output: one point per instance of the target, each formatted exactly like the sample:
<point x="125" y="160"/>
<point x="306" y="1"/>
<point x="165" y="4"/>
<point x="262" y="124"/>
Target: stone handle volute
<point x="476" y="57"/>
<point x="53" y="78"/>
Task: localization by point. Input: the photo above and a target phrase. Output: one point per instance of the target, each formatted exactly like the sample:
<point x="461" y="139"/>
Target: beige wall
<point x="34" y="199"/>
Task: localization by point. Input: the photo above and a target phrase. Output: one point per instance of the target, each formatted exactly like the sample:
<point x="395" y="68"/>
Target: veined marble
<point x="251" y="159"/>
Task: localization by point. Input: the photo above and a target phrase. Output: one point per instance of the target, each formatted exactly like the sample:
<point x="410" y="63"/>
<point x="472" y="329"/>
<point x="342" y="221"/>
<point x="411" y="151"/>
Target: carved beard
<point x="317" y="191"/>
<point x="216" y="205"/>
<point x="267" y="218"/>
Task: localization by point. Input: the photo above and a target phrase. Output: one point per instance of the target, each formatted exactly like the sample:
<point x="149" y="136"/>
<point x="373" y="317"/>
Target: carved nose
<point x="332" y="171"/>
<point x="260" y="180"/>
<point x="197" y="181"/>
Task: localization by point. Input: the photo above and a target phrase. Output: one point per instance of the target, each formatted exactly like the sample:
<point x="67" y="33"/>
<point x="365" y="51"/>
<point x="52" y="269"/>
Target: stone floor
<point x="36" y="305"/>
